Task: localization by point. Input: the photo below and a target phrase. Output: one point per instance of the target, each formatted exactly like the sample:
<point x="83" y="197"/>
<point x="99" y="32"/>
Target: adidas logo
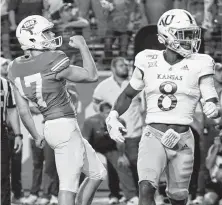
<point x="185" y="146"/>
<point x="185" y="68"/>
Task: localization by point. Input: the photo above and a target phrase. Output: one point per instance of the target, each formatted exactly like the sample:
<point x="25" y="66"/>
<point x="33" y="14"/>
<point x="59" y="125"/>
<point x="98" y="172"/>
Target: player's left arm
<point x="87" y="73"/>
<point x="210" y="102"/>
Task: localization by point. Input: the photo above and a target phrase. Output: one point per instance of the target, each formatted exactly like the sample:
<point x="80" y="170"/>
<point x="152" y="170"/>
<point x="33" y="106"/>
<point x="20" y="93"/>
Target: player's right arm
<point x="136" y="84"/>
<point x="78" y="74"/>
<point x="26" y="117"/>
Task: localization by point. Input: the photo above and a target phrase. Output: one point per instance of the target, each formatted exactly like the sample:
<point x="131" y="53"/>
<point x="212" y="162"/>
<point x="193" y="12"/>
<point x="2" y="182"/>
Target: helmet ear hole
<point x="32" y="39"/>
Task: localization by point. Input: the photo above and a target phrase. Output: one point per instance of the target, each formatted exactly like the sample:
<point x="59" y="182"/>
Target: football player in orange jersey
<point x="40" y="77"/>
<point x="173" y="80"/>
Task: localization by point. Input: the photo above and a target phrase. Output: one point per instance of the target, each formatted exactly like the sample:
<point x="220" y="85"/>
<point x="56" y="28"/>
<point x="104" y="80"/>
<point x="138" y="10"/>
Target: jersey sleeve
<point x="140" y="61"/>
<point x="207" y="88"/>
<point x="207" y="66"/>
<point x="136" y="80"/>
<point x="59" y="62"/>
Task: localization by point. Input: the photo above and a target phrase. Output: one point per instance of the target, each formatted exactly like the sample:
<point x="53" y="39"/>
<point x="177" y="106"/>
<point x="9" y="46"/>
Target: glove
<point x="114" y="127"/>
<point x="210" y="109"/>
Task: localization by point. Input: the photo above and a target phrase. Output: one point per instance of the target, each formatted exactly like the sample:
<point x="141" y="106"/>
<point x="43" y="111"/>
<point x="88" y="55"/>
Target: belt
<point x="164" y="127"/>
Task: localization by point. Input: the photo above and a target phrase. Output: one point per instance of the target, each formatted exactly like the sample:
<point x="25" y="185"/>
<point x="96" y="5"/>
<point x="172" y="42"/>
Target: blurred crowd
<point x="109" y="27"/>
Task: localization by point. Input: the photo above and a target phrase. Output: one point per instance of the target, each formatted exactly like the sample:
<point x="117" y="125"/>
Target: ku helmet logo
<point x="167" y="20"/>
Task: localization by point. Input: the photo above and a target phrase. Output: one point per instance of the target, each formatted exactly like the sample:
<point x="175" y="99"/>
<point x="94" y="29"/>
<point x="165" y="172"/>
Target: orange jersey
<point x="35" y="78"/>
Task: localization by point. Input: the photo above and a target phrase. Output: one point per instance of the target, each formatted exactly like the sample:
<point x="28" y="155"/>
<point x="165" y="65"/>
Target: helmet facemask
<point x="50" y="43"/>
<point x="184" y="41"/>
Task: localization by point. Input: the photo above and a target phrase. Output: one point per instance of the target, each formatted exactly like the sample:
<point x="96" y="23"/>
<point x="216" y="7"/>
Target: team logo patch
<point x="152" y="64"/>
<point x="151" y="57"/>
<point x="29" y="25"/>
<point x="185" y="147"/>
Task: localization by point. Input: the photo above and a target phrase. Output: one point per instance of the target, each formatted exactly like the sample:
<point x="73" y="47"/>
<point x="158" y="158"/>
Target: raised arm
<point x="78" y="74"/>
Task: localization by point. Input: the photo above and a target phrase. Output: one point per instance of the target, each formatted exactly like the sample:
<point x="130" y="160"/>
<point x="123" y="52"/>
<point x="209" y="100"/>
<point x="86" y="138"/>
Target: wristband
<point x="19" y="135"/>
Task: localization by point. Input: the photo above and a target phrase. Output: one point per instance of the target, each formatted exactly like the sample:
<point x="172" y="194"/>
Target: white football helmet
<point x="178" y="31"/>
<point x="30" y="34"/>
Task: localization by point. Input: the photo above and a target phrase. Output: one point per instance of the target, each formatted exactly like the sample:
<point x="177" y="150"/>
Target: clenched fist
<point x="210" y="109"/>
<point x="77" y="41"/>
<point x="40" y="142"/>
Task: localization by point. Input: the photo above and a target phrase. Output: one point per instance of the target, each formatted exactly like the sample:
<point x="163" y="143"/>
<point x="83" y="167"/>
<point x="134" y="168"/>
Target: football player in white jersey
<point x="174" y="80"/>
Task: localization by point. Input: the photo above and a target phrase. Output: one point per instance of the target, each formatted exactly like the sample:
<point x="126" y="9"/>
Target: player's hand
<point x="123" y="161"/>
<point x="77" y="41"/>
<point x="115" y="128"/>
<point x="210" y="109"/>
<point x="18" y="144"/>
<point x="40" y="142"/>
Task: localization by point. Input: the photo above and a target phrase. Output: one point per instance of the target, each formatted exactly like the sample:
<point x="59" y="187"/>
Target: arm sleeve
<point x="136" y="80"/>
<point x="207" y="88"/>
<point x="59" y="62"/>
<point x="207" y="66"/>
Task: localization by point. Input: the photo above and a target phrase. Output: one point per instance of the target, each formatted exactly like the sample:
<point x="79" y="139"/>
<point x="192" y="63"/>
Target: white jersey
<point x="171" y="91"/>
